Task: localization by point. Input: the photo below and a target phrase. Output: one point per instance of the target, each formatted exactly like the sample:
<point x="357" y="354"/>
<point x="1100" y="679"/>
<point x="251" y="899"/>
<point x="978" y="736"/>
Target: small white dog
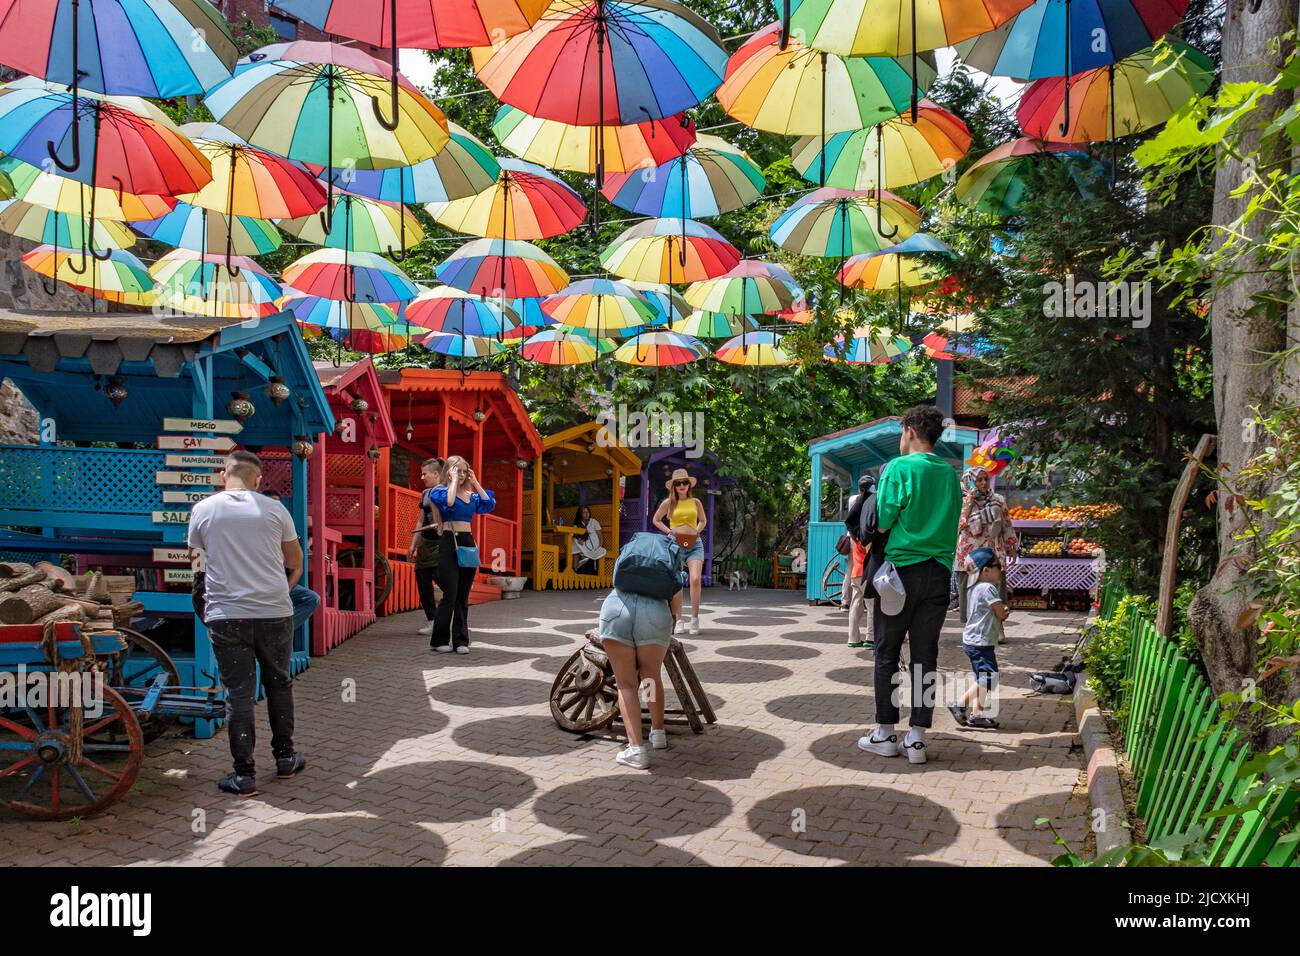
<point x="737" y="580"/>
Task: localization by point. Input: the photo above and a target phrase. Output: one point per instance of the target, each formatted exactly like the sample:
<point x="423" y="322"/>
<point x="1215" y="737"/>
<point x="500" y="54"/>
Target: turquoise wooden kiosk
<point x="838" y="460"/>
<point x="131" y="407"/>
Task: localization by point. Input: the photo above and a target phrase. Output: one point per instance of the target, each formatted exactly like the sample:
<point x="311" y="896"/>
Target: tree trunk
<point x="1243" y="379"/>
<point x="25" y="606"/>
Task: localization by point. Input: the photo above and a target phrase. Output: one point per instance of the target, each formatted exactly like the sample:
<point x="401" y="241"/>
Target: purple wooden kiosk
<point x="644" y="493"/>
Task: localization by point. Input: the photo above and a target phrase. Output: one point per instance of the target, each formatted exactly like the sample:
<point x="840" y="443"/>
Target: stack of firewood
<point x="45" y="592"/>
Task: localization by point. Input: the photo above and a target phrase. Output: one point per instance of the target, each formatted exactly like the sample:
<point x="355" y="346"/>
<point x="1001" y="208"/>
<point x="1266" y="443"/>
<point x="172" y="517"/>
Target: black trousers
<point x="240" y="646"/>
<point x="919" y="623"/>
<point x="425" y="579"/>
<point x="451" y="623"/>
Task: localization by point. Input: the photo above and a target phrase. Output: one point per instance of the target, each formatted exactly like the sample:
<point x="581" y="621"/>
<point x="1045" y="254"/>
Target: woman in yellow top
<point x="682" y="516"/>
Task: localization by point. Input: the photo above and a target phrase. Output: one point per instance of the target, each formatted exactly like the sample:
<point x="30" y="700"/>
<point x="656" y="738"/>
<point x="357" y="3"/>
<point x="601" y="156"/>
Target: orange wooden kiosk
<point x="341" y="487"/>
<point x="440" y="412"/>
<point x="582" y="465"/>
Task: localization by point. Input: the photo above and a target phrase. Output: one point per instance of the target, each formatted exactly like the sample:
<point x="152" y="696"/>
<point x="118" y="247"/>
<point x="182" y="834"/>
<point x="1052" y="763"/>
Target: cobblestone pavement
<point x="451" y="759"/>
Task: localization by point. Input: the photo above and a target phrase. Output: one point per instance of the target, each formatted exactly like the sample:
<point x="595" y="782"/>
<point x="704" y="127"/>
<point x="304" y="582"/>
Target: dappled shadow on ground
<point x="822" y="708"/>
<point x="727" y="672"/>
<point x="491" y="692"/>
<point x="770" y="652"/>
<point x="342" y="840"/>
<point x="521" y="735"/>
<point x="1067" y="811"/>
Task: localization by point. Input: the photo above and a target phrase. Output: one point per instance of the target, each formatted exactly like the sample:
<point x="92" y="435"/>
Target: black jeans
<point x="919" y="622"/>
<point x="451" y="623"/>
<point x="241" y="645"/>
<point x="425" y="579"/>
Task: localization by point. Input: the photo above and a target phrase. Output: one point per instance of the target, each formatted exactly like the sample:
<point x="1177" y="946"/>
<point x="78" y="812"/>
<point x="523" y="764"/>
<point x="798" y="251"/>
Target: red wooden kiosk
<point x="441" y="412"/>
<point x="342" y="486"/>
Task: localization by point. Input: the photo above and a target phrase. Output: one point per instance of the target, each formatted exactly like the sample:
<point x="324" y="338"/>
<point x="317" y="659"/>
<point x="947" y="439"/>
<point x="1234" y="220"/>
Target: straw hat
<point x="680" y="474"/>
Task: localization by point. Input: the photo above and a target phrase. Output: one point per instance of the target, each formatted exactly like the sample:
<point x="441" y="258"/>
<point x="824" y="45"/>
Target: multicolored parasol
<point x="502" y="267"/>
<point x="360" y="224"/>
<point x="659" y="348"/>
<point x="754" y="349"/>
<point x="599" y="307"/>
<point x="563" y="346"/>
<point x="526" y="202"/>
<point x="712" y="177"/>
<point x="576" y="148"/>
<point x="203" y="230"/>
<point x="669" y="251"/>
<point x="349" y="276"/>
<point x="199" y="284"/>
<point x="749" y="288"/>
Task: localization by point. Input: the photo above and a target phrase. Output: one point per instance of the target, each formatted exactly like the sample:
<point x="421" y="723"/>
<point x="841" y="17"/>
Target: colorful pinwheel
<point x="753" y="349"/>
<point x="749" y="288"/>
<point x="505" y="267"/>
<point x="670" y="251"/>
<point x="710" y="178"/>
<point x="575" y="148"/>
<point x="562" y="346"/>
<point x="203" y="230"/>
<point x="659" y="348"/>
<point x="599" y="307"/>
<point x="201" y="284"/>
<point x="526" y="202"/>
<point x="350" y="277"/>
<point x="362" y="225"/>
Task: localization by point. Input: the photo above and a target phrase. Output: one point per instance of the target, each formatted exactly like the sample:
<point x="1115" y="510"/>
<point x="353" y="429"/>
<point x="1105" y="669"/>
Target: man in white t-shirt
<point x="249" y="543"/>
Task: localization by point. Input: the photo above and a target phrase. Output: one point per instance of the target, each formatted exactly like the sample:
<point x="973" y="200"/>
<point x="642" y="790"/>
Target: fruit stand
<point x="1059" y="566"/>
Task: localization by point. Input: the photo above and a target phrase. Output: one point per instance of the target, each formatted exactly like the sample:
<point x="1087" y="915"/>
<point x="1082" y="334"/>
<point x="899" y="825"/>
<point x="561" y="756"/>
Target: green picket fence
<point x="757" y="570"/>
<point x="1185" y="756"/>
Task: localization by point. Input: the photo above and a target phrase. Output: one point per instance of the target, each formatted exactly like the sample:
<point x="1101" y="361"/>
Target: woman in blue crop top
<point x="459" y="500"/>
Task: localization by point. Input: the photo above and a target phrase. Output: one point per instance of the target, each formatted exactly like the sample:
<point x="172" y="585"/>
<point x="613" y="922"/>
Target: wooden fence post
<point x="1169" y="566"/>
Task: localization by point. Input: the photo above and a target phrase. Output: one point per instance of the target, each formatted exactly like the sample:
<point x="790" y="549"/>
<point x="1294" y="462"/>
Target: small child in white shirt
<point x="984" y="616"/>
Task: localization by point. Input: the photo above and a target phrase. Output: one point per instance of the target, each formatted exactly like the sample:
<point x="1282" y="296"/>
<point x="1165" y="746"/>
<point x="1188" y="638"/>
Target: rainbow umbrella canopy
<point x="505" y="267"/>
<point x="897" y="152"/>
<point x="155" y="48"/>
<point x="113" y="275"/>
<point x="1135" y="94"/>
<point x="336" y="315"/>
<point x="203" y="230"/>
<point x="457" y="312"/>
<point x="714" y="325"/>
<point x="895" y="266"/>
<point x="667" y="302"/>
<point x="62" y="230"/>
<point x="894" y="27"/>
<point x="361" y="225"/>
<point x="576" y="148"/>
<point x="599" y="307"/>
<point x="843" y="222"/>
<point x="754" y="349"/>
<point x="997" y="182"/>
<point x="463" y="346"/>
<point x="526" y="202"/>
<point x="659" y="348"/>
<point x="712" y="177"/>
<point x="563" y="346"/>
<point x="40" y="188"/>
<point x="669" y="251"/>
<point x="799" y="91"/>
<point x="349" y="277"/>
<point x="868" y="346"/>
<point x="200" y="284"/>
<point x="748" y="288"/>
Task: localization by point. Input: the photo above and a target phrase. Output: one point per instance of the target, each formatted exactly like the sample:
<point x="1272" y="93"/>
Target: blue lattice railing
<point x="93" y="489"/>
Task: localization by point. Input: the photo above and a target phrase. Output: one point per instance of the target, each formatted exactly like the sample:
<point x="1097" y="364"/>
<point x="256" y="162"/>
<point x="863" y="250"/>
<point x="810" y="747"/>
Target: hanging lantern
<point x="521" y="463"/>
<point x="301" y="447"/>
<point x="373" y="452"/>
<point x="590" y="448"/>
<point x="359" y="405"/>
<point x="116" y="391"/>
<point x="410" y="432"/>
<point x="276" y="390"/>
<point x="479" y="415"/>
<point x="240" y="407"/>
<point x="609" y="472"/>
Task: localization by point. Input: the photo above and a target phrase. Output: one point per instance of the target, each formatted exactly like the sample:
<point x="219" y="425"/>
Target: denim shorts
<point x="984" y="662"/>
<point x="635" y="620"/>
<point x="695" y="552"/>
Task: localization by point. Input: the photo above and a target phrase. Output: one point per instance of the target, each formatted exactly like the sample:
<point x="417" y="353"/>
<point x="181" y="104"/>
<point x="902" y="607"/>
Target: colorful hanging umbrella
<point x="751" y="287"/>
<point x="506" y="267"/>
<point x="875" y="28"/>
<point x="119" y="273"/>
<point x="599" y="307"/>
<point x="526" y="202"/>
<point x="799" y="91"/>
<point x="33" y="185"/>
<point x="156" y="48"/>
<point x="564" y="346"/>
<point x="710" y="178"/>
<point x="593" y="62"/>
<point x="895" y="266"/>
<point x="312" y="310"/>
<point x="530" y="315"/>
<point x="202" y="230"/>
<point x="247" y="181"/>
<point x="952" y="340"/>
<point x="1137" y="93"/>
<point x="62" y="230"/>
<point x="843" y="222"/>
<point x="419" y="24"/>
<point x="371" y="341"/>
<point x="669" y="250"/>
<point x="456" y="312"/>
<point x="575" y="148"/>
<point x="868" y="346"/>
<point x="360" y="224"/>
<point x="463" y="346"/>
<point x="127" y="143"/>
<point x="714" y="325"/>
<point x="659" y="348"/>
<point x="753" y="349"/>
<point x="667" y="302"/>
<point x="464" y="167"/>
<point x="799" y="314"/>
<point x="199" y="284"/>
<point x="349" y="276"/>
<point x="896" y="152"/>
<point x="995" y="183"/>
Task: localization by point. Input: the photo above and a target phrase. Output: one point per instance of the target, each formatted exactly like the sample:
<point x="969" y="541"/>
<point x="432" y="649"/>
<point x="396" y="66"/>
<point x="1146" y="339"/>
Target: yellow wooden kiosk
<point x="581" y="466"/>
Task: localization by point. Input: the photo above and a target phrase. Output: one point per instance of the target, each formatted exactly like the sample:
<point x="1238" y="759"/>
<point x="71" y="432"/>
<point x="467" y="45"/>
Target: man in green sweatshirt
<point x="918" y="502"/>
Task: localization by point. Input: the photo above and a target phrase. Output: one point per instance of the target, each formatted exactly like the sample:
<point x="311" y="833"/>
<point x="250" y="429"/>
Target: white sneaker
<point x="914" y="749"/>
<point x="463" y="649"/>
<point x="426" y="630"/>
<point x="634" y="757"/>
<point x="658" y="739"/>
<point x="443" y="648"/>
<point x="884" y="748"/>
<point x="681" y="626"/>
<point x="695" y="626"/>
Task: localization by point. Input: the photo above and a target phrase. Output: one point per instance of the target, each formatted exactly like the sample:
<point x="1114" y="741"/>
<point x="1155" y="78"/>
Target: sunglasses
<point x="682" y="484"/>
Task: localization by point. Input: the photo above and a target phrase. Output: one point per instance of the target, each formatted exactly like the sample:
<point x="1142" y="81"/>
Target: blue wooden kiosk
<point x="838" y="460"/>
<point x="643" y="495"/>
<point x="104" y="387"/>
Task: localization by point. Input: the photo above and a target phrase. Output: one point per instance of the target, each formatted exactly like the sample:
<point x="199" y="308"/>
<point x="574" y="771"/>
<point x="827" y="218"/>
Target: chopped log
<point x="26" y="580"/>
<point x="69" y="612"/>
<point x="57" y="578"/>
<point x="14" y="569"/>
<point x="96" y="588"/>
<point x="25" y="606"/>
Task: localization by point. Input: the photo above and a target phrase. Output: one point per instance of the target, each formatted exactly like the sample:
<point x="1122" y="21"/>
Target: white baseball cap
<point x="889" y="589"/>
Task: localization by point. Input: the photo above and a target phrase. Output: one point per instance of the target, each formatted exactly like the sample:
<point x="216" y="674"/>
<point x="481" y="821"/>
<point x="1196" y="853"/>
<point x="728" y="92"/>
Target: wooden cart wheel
<point x="833" y="579"/>
<point x="352" y="558"/>
<point x="134" y="669"/>
<point x="584" y="698"/>
<point x="38" y="775"/>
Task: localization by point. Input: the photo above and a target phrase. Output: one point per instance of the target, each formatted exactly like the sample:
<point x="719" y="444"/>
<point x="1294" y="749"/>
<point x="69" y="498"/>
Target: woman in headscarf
<point x="984" y="524"/>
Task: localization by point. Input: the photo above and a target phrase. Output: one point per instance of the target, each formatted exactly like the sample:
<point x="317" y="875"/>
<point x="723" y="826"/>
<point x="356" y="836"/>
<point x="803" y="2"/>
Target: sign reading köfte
<point x="212" y="426"/>
<point x="193" y="461"/>
<point x="194" y="443"/>
<point x="171" y="555"/>
<point x="178" y="576"/>
<point x="171" y="517"/>
<point x="187" y="478"/>
<point x="185" y="497"/>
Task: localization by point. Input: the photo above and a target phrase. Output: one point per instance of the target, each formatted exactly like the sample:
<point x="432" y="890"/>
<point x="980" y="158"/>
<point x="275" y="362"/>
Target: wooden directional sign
<point x="194" y="443"/>
<point x="171" y="517"/>
<point x="194" y="461"/>
<point x="209" y="426"/>
<point x="187" y="478"/>
<point x="178" y="576"/>
<point x="185" y="497"/>
<point x="171" y="556"/>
